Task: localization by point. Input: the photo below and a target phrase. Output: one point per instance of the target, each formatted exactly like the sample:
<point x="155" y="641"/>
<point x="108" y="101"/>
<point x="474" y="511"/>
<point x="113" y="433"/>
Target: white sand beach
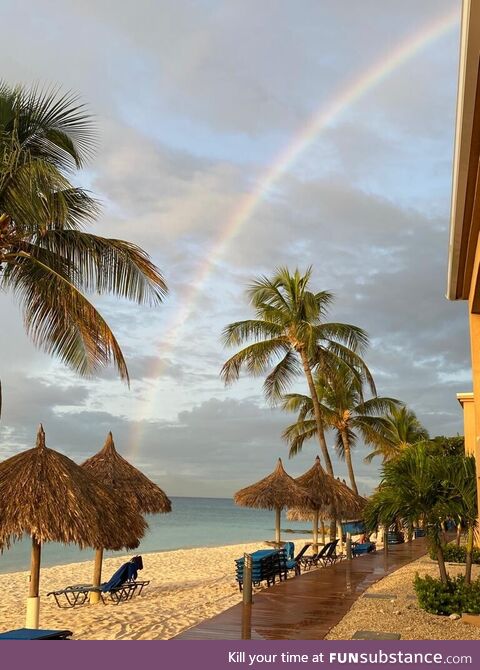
<point x="186" y="586"/>
<point x="190" y="585"/>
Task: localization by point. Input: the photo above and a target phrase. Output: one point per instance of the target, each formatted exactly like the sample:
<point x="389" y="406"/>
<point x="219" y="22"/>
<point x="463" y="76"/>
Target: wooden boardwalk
<point x="306" y="607"/>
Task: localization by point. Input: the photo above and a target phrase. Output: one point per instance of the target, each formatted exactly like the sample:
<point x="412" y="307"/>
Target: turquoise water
<point x="194" y="522"/>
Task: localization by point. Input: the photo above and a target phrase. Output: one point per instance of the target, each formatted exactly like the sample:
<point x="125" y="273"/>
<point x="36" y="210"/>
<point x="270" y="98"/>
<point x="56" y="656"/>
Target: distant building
<point x="464" y="249"/>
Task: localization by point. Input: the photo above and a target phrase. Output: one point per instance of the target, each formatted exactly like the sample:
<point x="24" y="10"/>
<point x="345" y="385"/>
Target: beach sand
<point x="186" y="586"/>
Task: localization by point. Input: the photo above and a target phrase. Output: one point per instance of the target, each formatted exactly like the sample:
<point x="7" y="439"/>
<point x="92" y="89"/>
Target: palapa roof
<point x="276" y="491"/>
<point x="319" y="485"/>
<point x="126" y="481"/>
<point x="330" y="496"/>
<point x="348" y="503"/>
<point x="46" y="495"/>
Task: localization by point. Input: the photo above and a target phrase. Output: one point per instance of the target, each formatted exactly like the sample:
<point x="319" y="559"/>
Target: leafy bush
<point x="454" y="554"/>
<point x="454" y="597"/>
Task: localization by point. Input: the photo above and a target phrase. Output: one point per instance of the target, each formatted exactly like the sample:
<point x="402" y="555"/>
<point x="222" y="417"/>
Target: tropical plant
<point x="410" y="490"/>
<point x="453" y="597"/>
<point x="448" y="446"/>
<point x="290" y="335"/>
<point x="402" y="429"/>
<point x="457" y="554"/>
<point x="344" y="410"/>
<point x="417" y="485"/>
<point x="457" y="475"/>
<point x="47" y="260"/>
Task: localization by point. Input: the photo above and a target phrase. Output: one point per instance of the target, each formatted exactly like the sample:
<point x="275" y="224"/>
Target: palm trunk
<point x="441" y="564"/>
<point x="459" y="533"/>
<point x="317" y="413"/>
<point x="348" y="460"/>
<point x="468" y="560"/>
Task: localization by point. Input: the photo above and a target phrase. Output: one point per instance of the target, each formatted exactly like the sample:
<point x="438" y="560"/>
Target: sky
<point x="194" y="102"/>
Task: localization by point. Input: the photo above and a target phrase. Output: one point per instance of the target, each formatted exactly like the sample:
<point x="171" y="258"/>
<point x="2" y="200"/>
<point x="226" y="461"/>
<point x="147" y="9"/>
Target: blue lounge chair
<point x="35" y="634"/>
<point x="359" y="548"/>
<point x="353" y="527"/>
<point x="121" y="586"/>
<point x="295" y="563"/>
<point x="289" y="549"/>
<point x="327" y="554"/>
<point x="330" y="556"/>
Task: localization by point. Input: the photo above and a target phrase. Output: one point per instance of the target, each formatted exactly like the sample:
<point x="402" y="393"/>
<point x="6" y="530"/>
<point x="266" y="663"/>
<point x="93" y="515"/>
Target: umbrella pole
<point x="33" y="601"/>
<point x="340" y="535"/>
<point x="97" y="576"/>
<point x="315" y="530"/>
<point x="323" y="531"/>
<point x="277" y="525"/>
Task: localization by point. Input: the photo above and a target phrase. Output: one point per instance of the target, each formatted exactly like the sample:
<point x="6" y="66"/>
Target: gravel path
<point x="401" y="614"/>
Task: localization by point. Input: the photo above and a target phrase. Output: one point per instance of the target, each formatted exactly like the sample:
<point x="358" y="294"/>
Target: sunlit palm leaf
<point x="257" y="358"/>
<point x="281" y="377"/>
<point x="68" y="326"/>
<point x="297" y="434"/>
<point x="45" y="257"/>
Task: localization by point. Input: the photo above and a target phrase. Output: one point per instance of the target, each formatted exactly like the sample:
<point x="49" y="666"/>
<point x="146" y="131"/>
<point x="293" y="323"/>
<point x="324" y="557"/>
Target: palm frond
<point x="257" y="358"/>
<point x="377" y="406"/>
<point x="372" y="430"/>
<point x="343" y="355"/>
<point x="353" y="337"/>
<point x="241" y="331"/>
<point x="280" y="378"/>
<point x="297" y="433"/>
<point x="107" y="265"/>
<point x="61" y="320"/>
<point x="296" y="402"/>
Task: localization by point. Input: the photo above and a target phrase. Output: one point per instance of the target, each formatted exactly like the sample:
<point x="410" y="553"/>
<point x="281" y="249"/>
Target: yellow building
<point x="464" y="249"/>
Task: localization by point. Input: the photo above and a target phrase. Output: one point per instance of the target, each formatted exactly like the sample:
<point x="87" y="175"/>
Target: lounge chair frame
<point x="78" y="594"/>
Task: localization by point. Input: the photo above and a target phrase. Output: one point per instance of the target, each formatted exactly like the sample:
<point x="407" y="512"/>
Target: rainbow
<point x="323" y="118"/>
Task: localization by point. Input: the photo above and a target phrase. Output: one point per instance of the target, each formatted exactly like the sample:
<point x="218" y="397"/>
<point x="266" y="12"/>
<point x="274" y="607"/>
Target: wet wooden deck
<point x="307" y="607"/>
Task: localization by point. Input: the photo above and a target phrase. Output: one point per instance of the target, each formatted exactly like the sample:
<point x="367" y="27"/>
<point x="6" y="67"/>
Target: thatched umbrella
<point x="330" y="498"/>
<point x="347" y="504"/>
<point x="46" y="495"/>
<point x="277" y="491"/>
<point x="130" y="486"/>
<point x="321" y="489"/>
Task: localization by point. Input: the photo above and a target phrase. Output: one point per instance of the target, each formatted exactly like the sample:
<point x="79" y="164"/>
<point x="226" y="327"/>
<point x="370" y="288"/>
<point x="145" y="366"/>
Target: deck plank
<point x="307" y="607"/>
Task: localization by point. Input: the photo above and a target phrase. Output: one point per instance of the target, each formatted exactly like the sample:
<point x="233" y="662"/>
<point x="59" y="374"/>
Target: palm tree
<point x="458" y="476"/>
<point x="402" y="429"/>
<point x="289" y="335"/>
<point x="344" y="410"/>
<point x="420" y="485"/>
<point x="410" y="489"/>
<point x="47" y="259"/>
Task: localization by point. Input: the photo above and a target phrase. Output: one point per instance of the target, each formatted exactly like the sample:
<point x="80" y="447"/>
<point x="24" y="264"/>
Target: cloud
<point x="195" y="102"/>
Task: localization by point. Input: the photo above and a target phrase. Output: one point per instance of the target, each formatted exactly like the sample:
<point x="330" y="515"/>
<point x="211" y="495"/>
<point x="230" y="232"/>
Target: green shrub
<point x="454" y="554"/>
<point x="454" y="597"/>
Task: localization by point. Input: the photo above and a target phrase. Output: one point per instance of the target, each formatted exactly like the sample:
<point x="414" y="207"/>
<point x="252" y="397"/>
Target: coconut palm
<point x="344" y="410"/>
<point x="288" y="336"/>
<point x="402" y="429"/>
<point x="47" y="260"/>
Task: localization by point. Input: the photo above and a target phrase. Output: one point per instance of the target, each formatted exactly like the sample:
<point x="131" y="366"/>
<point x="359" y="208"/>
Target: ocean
<point x="193" y="522"/>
